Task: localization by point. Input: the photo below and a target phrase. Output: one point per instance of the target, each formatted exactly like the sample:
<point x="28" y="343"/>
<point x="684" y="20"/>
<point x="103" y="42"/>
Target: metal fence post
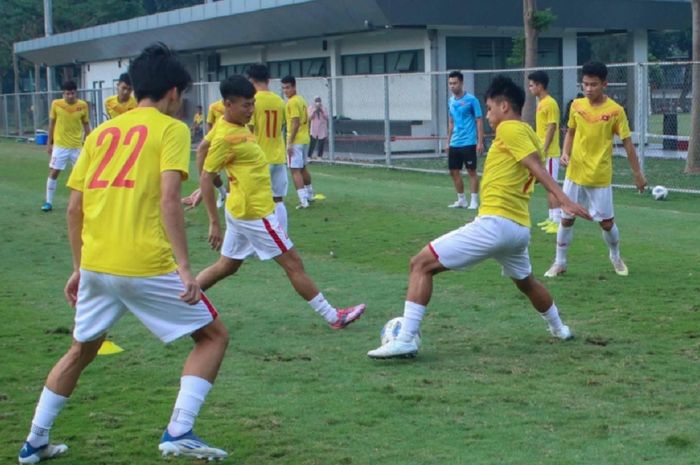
<point x="18" y="109"/>
<point x="331" y="120"/>
<point x="643" y="108"/>
<point x="387" y="129"/>
<point x="6" y="117"/>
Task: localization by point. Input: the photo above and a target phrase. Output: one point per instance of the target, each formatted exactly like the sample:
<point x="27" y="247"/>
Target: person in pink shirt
<point x="318" y="127"/>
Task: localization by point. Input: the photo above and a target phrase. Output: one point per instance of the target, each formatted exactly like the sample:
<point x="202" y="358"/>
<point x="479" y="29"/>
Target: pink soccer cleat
<point x="348" y="315"/>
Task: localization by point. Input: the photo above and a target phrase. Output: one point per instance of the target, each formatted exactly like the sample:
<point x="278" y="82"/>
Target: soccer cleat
<point x="302" y="206"/>
<point x="551" y="228"/>
<point x="564" y="333"/>
<point x="544" y="223"/>
<point x="458" y="204"/>
<point x="311" y="198"/>
<point x="47" y="207"/>
<point x="348" y="315"/>
<point x="473" y="206"/>
<point x="189" y="445"/>
<point x="620" y="267"/>
<point x="31" y="454"/>
<point x="395" y="349"/>
<point x="555" y="270"/>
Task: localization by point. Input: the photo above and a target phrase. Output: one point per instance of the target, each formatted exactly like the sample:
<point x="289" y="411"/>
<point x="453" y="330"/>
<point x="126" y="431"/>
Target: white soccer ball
<point x="391" y="331"/>
<point x="659" y="193"/>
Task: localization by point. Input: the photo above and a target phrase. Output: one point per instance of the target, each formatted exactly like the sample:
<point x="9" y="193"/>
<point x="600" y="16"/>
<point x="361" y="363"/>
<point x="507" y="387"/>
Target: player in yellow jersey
<point x="593" y="122"/>
<point x="547" y="127"/>
<point x="251" y="223"/>
<point x="502" y="228"/>
<point x="127" y="235"/>
<point x="124" y="100"/>
<point x="297" y="122"/>
<point x="197" y="122"/>
<point x="267" y="126"/>
<point x="215" y="111"/>
<point x="68" y="120"/>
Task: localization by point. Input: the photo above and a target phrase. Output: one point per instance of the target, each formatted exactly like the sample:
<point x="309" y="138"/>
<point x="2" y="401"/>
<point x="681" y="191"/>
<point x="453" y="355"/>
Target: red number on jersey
<point x="271" y="123"/>
<point x="120" y="180"/>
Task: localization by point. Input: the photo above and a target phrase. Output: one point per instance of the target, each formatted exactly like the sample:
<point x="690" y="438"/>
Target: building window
<point x="409" y="61"/>
<point x="309" y="67"/>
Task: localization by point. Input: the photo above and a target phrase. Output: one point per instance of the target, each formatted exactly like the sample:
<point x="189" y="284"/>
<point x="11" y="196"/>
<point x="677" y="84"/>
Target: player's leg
<point x="470" y="164"/>
<point x="565" y="230"/>
<point x="542" y="301"/>
<point x="306" y="177"/>
<point x="235" y="248"/>
<point x="220" y="269"/>
<point x="58" y="162"/>
<point x="455" y="161"/>
<point x="603" y="211"/>
<point x="280" y="184"/>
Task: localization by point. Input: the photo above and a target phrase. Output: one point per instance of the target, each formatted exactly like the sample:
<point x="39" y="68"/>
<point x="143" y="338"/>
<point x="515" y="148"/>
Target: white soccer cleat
<point x="189" y="445"/>
<point x="555" y="270"/>
<point x="395" y="349"/>
<point x="31" y="454"/>
<point x="458" y="204"/>
<point x="620" y="267"/>
<point x="564" y="333"/>
<point x="473" y="206"/>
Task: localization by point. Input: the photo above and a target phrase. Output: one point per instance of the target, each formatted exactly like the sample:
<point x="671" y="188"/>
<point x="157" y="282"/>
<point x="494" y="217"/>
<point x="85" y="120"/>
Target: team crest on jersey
<point x="605" y="117"/>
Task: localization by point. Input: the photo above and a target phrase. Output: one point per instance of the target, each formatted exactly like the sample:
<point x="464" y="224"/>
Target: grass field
<point x="489" y="386"/>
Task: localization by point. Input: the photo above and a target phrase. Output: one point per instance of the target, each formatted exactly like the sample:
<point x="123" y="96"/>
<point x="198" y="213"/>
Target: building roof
<point x="228" y="23"/>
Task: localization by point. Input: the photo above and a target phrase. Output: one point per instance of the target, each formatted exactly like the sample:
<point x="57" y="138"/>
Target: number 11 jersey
<point x="267" y="121"/>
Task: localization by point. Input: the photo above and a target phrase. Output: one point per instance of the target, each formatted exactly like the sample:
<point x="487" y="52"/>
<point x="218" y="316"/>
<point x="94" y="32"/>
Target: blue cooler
<point x="41" y="139"/>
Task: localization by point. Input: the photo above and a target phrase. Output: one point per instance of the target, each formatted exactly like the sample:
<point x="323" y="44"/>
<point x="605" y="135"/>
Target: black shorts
<point x="462" y="156"/>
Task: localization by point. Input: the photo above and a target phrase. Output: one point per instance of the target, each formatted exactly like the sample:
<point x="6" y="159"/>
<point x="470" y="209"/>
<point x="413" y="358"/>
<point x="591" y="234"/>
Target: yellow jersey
<point x="118" y="172"/>
<point x="115" y="108"/>
<point x="198" y="119"/>
<point x="548" y="113"/>
<point x="234" y="149"/>
<point x="68" y="132"/>
<point x="296" y="108"/>
<point x="506" y="184"/>
<point x="216" y="111"/>
<point x="591" y="153"/>
<point x="267" y="125"/>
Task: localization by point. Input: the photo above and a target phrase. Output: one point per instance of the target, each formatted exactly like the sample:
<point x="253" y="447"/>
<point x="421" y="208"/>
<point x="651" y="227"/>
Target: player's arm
<point x="206" y="186"/>
<point x="293" y="132"/>
<point x="479" y="135"/>
<point x="52" y="129"/>
<point x="534" y="164"/>
<point x="549" y="136"/>
<point x="74" y="219"/>
<point x="86" y="129"/>
<point x="174" y="224"/>
<point x="633" y="160"/>
<point x="450" y="128"/>
<point x="568" y="143"/>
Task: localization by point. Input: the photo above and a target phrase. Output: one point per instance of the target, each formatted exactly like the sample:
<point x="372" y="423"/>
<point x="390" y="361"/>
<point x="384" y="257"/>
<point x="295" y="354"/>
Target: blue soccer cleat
<point x="189" y="445"/>
<point x="31" y="454"/>
<point x="47" y="207"/>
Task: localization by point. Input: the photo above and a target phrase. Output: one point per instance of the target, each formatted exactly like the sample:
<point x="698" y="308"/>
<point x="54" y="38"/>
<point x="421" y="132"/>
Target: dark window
<point x="410" y="61"/>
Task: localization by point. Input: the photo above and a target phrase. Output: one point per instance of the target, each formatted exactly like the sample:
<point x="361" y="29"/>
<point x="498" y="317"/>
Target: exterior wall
<point x="104" y="74"/>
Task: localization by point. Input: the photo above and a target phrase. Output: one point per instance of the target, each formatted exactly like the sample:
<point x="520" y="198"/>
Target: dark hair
<point x="69" y="85"/>
<point x="157" y="70"/>
<point x="457" y="74"/>
<point x="595" y="69"/>
<point x="124" y="77"/>
<point x="503" y="87"/>
<point x="236" y="86"/>
<point x="258" y="72"/>
<point x="539" y="77"/>
<point x="289" y="80"/>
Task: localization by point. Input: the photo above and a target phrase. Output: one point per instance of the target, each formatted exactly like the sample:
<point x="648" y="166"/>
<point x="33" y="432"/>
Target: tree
<point x="534" y="22"/>
<point x="693" y="161"/>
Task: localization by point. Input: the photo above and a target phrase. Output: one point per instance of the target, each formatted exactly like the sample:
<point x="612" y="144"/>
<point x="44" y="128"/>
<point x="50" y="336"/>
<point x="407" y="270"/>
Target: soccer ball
<point x="391" y="331"/>
<point x="659" y="193"/>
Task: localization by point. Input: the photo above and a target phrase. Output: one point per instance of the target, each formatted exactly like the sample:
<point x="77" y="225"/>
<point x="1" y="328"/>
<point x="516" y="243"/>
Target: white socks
<point x="193" y="391"/>
<point x="323" y="308"/>
<point x="460" y="197"/>
<point x="564" y="236"/>
<point x="50" y="189"/>
<point x="612" y="238"/>
<point x="475" y="199"/>
<point x="281" y="214"/>
<point x="309" y="192"/>
<point x="555" y="215"/>
<point x="303" y="197"/>
<point x="47" y="409"/>
<point x="412" y="316"/>
<point x="551" y="316"/>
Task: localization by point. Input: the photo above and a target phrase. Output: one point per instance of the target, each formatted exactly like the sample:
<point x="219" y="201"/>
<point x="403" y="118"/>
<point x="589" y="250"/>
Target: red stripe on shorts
<point x="209" y="306"/>
<point x="430" y="246"/>
<point x="274" y="235"/>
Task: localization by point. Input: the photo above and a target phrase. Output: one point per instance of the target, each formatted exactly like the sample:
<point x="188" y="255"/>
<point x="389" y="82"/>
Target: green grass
<point x="656" y="124"/>
<point x="489" y="386"/>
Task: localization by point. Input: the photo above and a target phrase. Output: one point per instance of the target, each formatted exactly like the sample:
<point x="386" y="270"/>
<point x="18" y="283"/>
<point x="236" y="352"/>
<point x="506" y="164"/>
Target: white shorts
<point x="278" y="177"/>
<point x="61" y="156"/>
<point x="298" y="157"/>
<point x="264" y="237"/>
<point x="155" y="300"/>
<point x="552" y="165"/>
<point x="598" y="200"/>
<point x="486" y="237"/>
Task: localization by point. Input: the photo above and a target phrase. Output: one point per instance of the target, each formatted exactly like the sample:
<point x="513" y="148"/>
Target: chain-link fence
<point x="401" y="119"/>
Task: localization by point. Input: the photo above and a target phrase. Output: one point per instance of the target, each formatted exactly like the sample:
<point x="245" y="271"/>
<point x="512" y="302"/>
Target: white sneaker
<point x="395" y="349"/>
<point x="303" y="205"/>
<point x="620" y="267"/>
<point x="555" y="270"/>
<point x="458" y="204"/>
<point x="564" y="333"/>
<point x="473" y="206"/>
<point x="189" y="445"/>
<point x="30" y="454"/>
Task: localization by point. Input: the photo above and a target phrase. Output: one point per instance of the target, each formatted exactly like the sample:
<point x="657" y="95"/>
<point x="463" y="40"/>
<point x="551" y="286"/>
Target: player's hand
<point x="71" y="289"/>
<point x="290" y="150"/>
<point x="215" y="238"/>
<point x="192" y="200"/>
<point x="564" y="159"/>
<point x="192" y="292"/>
<point x="480" y="149"/>
<point x="640" y="181"/>
<point x="574" y="209"/>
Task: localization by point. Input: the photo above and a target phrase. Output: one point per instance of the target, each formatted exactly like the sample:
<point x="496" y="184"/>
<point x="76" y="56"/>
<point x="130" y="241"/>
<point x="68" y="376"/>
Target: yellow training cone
<point x="109" y="348"/>
<point x="319" y="197"/>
